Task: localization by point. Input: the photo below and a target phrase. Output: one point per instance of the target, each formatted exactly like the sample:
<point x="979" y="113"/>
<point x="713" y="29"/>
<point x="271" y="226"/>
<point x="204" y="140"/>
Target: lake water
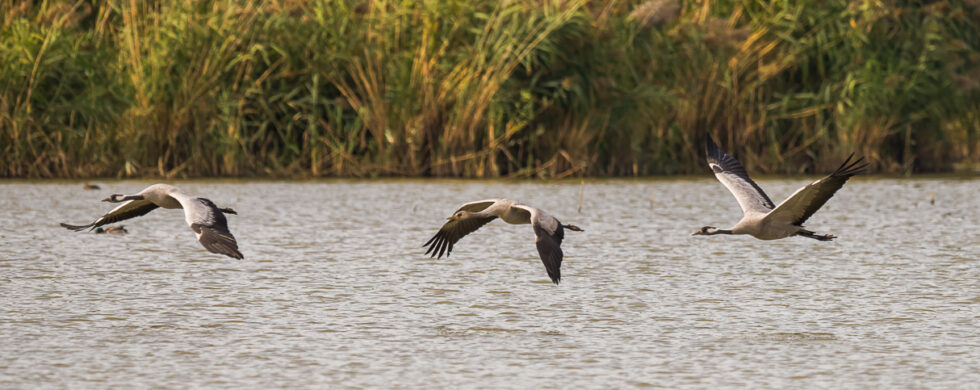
<point x="335" y="290"/>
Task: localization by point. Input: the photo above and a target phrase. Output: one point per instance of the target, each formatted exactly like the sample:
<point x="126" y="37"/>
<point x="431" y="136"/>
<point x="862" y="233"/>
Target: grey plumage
<point x="733" y="175"/>
<point x="761" y="218"/>
<point x="548" y="231"/>
<point x="206" y="220"/>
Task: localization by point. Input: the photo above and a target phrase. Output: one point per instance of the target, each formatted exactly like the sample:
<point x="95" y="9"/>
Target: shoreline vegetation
<point x="484" y="89"/>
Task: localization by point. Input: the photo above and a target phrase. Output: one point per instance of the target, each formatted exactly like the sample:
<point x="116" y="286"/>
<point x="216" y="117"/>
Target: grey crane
<point x="548" y="231"/>
<point x="205" y="219"/>
<point x="761" y="218"/>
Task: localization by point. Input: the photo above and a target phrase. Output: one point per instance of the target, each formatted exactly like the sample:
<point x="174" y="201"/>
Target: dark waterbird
<point x="117" y="230"/>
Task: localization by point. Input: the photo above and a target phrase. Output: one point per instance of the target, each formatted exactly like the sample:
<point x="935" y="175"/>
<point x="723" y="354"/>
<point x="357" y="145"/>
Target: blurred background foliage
<point x="484" y="88"/>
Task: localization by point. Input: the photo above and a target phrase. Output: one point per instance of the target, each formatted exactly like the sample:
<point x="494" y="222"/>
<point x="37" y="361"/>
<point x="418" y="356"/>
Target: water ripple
<point x="335" y="290"/>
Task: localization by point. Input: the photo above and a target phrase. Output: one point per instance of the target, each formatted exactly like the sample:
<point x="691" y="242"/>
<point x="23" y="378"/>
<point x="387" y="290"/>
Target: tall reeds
<point x="545" y="88"/>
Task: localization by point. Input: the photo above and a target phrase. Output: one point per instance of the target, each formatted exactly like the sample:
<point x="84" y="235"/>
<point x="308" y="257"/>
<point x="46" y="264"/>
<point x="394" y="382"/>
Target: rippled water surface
<point x="335" y="290"/>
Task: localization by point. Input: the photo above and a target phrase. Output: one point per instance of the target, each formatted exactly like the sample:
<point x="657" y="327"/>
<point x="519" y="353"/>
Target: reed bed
<point x="483" y="88"/>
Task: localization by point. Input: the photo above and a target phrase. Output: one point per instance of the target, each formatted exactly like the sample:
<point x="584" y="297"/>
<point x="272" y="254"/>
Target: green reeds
<point x="483" y="88"/>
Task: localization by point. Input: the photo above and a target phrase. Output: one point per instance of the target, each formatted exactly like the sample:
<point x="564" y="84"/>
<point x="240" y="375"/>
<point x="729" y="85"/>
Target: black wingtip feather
<point x="429" y="242"/>
<point x="829" y="186"/>
<point x="556" y="274"/>
<point x="553" y="266"/>
<point x="709" y="144"/>
<point x="848" y="168"/>
<point x="712" y="152"/>
<point x="549" y="249"/>
<point x="442" y="243"/>
<point x="438" y="249"/>
<point x="445" y="248"/>
<point x="438" y="245"/>
<point x="77" y="227"/>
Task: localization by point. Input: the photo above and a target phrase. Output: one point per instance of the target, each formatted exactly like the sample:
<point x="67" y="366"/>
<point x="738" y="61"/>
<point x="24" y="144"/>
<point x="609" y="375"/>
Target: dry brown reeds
<point x="482" y="88"/>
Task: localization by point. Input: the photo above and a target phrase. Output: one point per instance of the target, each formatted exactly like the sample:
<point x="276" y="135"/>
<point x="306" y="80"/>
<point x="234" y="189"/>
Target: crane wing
<point x="210" y="225"/>
<point x="477" y="206"/>
<point x="548" y="235"/>
<point x="130" y="209"/>
<point x="807" y="200"/>
<point x="451" y="232"/>
<point x="732" y="175"/>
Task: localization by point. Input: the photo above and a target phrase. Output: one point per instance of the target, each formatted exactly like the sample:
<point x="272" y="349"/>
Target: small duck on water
<point x="118" y="230"/>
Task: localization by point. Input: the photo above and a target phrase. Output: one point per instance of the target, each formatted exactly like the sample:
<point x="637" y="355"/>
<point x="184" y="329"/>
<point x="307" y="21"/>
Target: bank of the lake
<point x="483" y="88"/>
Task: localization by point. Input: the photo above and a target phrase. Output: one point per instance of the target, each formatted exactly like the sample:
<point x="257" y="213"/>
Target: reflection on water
<point x="335" y="290"/>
